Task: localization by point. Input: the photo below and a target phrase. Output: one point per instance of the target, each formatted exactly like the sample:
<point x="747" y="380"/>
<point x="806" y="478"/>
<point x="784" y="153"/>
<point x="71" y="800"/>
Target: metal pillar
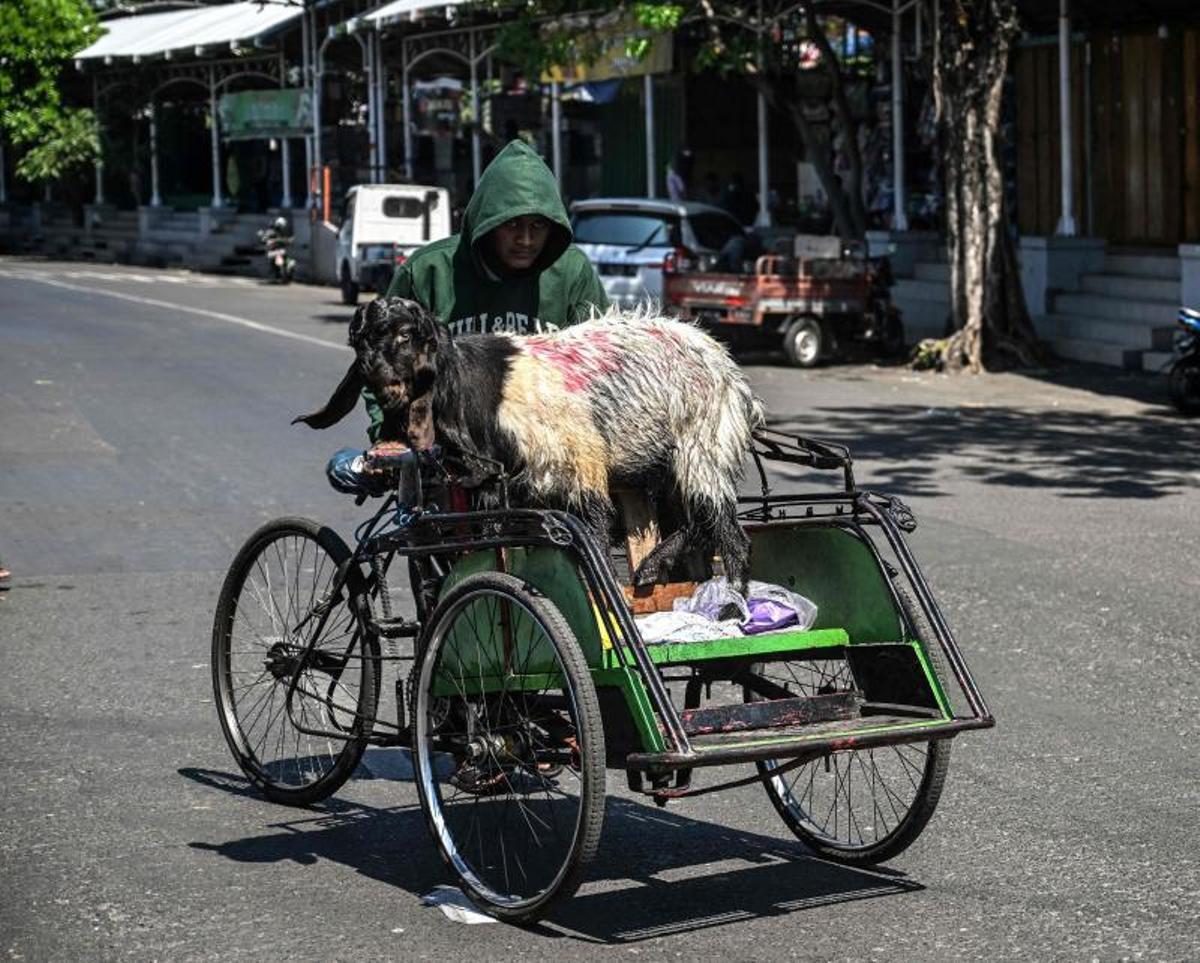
<point x="99" y="163"/>
<point x="899" y="205"/>
<point x="318" y="81"/>
<point x="476" y="152"/>
<point x="556" y="131"/>
<point x="155" y="197"/>
<point x="651" y="163"/>
<point x="285" y="159"/>
<point x="368" y="52"/>
<point x="3" y="183"/>
<point x="764" y="212"/>
<point x="217" y="200"/>
<point x="381" y="103"/>
<point x="306" y="70"/>
<point x="406" y="97"/>
<point x="1066" y="223"/>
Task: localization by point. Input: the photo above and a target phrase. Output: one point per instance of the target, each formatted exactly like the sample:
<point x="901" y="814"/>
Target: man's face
<point x="518" y="243"/>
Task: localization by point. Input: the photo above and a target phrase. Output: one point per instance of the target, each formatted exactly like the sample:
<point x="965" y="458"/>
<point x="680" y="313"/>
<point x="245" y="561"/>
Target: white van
<point x="382" y="224"/>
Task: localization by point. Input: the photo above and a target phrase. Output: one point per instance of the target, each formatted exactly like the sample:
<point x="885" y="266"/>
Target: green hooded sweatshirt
<point x="454" y="280"/>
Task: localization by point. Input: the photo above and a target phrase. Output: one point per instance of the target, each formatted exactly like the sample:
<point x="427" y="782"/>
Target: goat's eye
<point x="402" y="339"/>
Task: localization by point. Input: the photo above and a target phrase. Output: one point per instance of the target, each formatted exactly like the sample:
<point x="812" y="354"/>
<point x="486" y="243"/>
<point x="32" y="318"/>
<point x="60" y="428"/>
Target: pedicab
<point x="519" y="674"/>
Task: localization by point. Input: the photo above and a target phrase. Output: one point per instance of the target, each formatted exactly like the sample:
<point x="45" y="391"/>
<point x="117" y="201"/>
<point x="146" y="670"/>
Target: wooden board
<point x="656" y="598"/>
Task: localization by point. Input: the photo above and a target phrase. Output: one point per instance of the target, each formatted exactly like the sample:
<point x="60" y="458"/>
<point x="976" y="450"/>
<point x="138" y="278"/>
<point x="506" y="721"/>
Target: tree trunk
<point x="991" y="325"/>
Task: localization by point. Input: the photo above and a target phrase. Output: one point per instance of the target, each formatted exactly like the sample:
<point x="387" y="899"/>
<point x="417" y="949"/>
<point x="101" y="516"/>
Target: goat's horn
<point x="340" y="404"/>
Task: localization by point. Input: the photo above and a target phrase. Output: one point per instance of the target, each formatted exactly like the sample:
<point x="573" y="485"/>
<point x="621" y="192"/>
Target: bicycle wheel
<point x="858" y="806"/>
<point x="509" y="746"/>
<point x="267" y="613"/>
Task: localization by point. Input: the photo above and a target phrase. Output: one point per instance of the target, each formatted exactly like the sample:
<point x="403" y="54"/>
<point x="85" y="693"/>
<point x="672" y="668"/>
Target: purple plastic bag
<point x="766" y="615"/>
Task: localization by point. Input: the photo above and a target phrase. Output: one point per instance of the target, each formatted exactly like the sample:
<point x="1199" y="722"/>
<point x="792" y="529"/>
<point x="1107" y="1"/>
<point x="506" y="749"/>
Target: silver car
<point x="629" y="238"/>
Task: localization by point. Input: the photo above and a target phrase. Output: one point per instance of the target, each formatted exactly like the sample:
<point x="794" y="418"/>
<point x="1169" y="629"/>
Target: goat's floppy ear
<point x="420" y="423"/>
<point x="340" y="404"/>
<point x="356" y="324"/>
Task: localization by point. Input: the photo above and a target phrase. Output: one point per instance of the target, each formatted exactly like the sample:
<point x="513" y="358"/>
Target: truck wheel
<point x="349" y="288"/>
<point x="804" y="342"/>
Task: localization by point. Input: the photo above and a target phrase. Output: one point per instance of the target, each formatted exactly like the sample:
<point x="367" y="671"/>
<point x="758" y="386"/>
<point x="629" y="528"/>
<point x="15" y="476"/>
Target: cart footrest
<point x="790" y="742"/>
<point x="771" y="714"/>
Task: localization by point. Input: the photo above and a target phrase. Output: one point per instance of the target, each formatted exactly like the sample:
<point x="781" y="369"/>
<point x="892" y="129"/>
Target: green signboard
<point x="257" y="114"/>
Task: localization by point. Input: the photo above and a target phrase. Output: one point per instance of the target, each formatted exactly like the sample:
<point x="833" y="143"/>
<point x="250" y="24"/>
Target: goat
<point x="624" y="399"/>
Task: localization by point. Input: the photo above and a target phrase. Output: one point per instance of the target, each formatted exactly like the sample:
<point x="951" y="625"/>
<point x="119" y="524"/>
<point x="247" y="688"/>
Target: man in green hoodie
<point x="511" y="268"/>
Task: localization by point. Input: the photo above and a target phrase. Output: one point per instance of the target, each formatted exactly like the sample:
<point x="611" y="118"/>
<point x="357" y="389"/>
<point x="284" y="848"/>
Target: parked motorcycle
<point x="1183" y="380"/>
<point x="277" y="243"/>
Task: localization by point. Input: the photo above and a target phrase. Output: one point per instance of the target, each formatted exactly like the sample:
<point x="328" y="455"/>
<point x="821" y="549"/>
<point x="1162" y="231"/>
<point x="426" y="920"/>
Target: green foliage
<point x="37" y="39"/>
<point x="64" y="141"/>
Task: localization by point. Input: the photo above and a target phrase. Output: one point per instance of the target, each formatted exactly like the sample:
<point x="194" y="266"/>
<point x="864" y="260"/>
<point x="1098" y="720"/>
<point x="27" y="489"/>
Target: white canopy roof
<point x="400" y="9"/>
<point x="155" y="34"/>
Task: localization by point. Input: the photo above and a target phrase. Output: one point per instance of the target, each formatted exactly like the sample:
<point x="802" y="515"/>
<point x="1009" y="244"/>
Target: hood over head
<point x="516" y="182"/>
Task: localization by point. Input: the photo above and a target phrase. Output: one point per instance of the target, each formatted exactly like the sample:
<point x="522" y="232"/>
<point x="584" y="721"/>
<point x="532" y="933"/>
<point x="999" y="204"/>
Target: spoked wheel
<point x="1183" y="383"/>
<point x="268" y="612"/>
<point x="858" y="806"/>
<point x="509" y="746"/>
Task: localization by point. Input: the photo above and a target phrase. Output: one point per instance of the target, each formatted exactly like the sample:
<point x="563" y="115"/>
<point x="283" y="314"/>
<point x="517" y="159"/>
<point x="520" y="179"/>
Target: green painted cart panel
<point x="551" y="572"/>
<point x="836" y="570"/>
<point x="678" y="653"/>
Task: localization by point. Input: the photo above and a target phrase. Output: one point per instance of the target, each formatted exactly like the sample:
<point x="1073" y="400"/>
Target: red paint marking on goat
<point x="580" y="363"/>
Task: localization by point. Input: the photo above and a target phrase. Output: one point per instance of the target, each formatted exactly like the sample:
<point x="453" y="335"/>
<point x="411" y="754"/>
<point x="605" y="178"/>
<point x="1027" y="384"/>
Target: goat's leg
<point x="663" y="557"/>
<point x="733" y="545"/>
<point x="598" y="515"/>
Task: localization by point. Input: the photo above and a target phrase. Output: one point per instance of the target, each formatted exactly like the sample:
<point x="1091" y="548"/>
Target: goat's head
<point x="395" y="344"/>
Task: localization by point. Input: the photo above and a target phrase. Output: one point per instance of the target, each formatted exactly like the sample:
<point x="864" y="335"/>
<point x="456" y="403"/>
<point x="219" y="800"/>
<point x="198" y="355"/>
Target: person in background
<point x="679" y="175"/>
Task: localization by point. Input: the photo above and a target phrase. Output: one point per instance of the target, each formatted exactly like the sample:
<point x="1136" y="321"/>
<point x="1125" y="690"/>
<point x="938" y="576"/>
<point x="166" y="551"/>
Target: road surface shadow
<point x="1071" y="454"/>
<point x="657" y="872"/>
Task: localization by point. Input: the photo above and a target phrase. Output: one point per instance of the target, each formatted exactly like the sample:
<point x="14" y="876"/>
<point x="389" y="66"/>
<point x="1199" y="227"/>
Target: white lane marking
<point x="203" y="312"/>
<point x="165" y="278"/>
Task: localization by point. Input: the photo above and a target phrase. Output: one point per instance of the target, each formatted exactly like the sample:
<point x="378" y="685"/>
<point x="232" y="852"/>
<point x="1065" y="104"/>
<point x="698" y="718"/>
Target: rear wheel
<point x="267" y="614"/>
<point x="1183" y="383"/>
<point x="509" y="746"/>
<point x="858" y="806"/>
<point x="804" y="342"/>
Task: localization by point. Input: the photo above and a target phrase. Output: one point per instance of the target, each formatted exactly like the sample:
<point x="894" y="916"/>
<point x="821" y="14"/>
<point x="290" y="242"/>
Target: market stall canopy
<point x="161" y="34"/>
<point x="406" y="10"/>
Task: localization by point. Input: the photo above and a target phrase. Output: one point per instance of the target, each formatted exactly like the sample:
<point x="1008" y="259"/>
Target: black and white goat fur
<point x="624" y="400"/>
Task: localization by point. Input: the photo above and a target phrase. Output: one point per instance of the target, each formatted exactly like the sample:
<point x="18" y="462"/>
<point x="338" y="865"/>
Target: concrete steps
<point x="1097" y="352"/>
<point x="1116" y="309"/>
<point x="1124" y="334"/>
<point x="1121" y="317"/>
<point x="1143" y="265"/>
<point x="1131" y="286"/>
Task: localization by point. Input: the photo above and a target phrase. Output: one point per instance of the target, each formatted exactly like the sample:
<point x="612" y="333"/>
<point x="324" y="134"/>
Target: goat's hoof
<point x="645" y="577"/>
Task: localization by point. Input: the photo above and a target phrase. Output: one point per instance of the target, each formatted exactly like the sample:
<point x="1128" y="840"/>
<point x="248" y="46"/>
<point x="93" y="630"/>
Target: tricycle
<point x="519" y="673"/>
<point x="816" y="305"/>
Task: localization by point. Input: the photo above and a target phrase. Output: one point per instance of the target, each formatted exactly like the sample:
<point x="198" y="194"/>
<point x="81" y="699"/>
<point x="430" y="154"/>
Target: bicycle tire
<point x="250" y="683"/>
<point x="480" y="826"/>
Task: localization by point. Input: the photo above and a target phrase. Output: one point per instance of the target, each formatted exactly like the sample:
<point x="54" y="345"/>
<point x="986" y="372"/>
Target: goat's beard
<point x="392" y="397"/>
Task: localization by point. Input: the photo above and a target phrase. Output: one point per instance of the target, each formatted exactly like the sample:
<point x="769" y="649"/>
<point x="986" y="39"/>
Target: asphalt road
<point x="144" y="432"/>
